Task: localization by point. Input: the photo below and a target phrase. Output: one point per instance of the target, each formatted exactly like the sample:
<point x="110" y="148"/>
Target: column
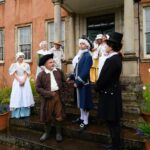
<point x="57" y="19"/>
<point x="71" y="37"/>
<point x="129" y="26"/>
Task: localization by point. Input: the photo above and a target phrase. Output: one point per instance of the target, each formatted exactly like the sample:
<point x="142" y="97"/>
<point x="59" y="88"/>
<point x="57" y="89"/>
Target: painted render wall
<point x="14" y="13"/>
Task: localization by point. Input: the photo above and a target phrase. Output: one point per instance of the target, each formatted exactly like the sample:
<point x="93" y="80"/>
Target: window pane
<point x="24" y="41"/>
<point x="25" y="35"/>
<point x="148" y="38"/>
<point x="1" y="38"/>
<point x="1" y="45"/>
<point x="51" y="33"/>
<point x="147" y="13"/>
<point x="148" y="48"/>
<point x="148" y="26"/>
<point x="100" y="24"/>
<point x="1" y="53"/>
<point x="26" y="49"/>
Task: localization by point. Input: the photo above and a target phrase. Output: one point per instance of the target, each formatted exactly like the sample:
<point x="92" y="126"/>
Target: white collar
<point x="49" y="71"/>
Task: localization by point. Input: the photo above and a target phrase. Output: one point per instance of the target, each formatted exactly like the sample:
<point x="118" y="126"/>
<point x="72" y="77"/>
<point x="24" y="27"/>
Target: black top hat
<point x="115" y="37"/>
<point x="44" y="58"/>
<point x="88" y="40"/>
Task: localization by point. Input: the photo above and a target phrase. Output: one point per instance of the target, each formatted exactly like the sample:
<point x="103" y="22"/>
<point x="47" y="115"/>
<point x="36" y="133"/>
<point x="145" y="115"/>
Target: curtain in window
<point x="25" y="41"/>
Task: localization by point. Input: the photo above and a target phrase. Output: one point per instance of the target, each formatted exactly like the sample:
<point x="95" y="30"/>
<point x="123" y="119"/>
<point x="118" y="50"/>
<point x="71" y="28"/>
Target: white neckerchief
<point x="49" y="71"/>
<point x="103" y="59"/>
<point x="76" y="58"/>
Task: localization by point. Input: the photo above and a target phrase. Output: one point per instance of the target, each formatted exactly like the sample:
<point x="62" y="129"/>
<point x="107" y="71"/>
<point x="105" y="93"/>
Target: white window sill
<point x="1" y="61"/>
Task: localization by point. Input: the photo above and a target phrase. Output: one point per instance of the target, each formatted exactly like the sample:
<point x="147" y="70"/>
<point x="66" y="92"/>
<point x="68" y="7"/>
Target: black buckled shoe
<point x="82" y="127"/>
<point x="77" y="120"/>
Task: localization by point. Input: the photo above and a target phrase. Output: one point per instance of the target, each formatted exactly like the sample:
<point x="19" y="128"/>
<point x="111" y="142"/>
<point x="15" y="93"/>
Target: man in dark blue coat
<point x="108" y="87"/>
<point x="82" y="63"/>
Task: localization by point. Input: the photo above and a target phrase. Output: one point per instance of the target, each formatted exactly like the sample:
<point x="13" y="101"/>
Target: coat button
<point x="112" y="93"/>
<point x="105" y="92"/>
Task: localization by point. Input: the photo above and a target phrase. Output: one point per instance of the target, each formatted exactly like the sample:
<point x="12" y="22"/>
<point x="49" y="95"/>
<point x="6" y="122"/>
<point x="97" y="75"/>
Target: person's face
<point x="108" y="49"/>
<point x="83" y="46"/>
<point x="99" y="41"/>
<point x="49" y="64"/>
<point x="44" y="46"/>
<point x="104" y="38"/>
<point x="20" y="59"/>
<point x="57" y="46"/>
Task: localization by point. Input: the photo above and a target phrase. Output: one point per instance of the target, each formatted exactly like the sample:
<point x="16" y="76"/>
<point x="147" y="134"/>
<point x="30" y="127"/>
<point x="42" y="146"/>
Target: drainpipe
<point x="139" y="37"/>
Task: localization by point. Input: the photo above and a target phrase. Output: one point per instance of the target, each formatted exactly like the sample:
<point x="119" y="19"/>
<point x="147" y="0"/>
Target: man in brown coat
<point x="49" y="84"/>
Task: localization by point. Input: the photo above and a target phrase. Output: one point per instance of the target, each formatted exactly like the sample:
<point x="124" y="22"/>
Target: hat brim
<point x="44" y="59"/>
<point x="57" y="43"/>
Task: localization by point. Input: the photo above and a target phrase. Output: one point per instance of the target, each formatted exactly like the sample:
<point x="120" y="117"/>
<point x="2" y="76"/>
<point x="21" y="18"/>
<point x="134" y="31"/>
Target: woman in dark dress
<point x="108" y="87"/>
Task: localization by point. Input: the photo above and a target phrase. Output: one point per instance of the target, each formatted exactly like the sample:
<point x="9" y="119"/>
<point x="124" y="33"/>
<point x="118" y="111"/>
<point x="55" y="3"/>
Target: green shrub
<point x="4" y="99"/>
<point x="32" y="83"/>
<point x="144" y="130"/>
<point x="146" y="96"/>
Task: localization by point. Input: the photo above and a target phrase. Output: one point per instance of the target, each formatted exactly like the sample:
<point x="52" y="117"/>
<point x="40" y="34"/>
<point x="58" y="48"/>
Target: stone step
<point x="129" y="119"/>
<point x="94" y="133"/>
<point x="29" y="139"/>
<point x="131" y="107"/>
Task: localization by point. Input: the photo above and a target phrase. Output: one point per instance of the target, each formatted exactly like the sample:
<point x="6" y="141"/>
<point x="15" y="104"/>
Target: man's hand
<point x="53" y="94"/>
<point x="75" y="85"/>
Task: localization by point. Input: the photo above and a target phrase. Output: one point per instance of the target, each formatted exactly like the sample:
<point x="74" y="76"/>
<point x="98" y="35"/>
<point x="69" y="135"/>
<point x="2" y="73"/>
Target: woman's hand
<point x="21" y="83"/>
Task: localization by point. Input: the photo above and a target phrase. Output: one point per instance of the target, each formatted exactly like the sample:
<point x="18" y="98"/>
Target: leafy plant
<point x="32" y="83"/>
<point x="4" y="108"/>
<point x="144" y="130"/>
<point x="4" y="99"/>
<point x="146" y="96"/>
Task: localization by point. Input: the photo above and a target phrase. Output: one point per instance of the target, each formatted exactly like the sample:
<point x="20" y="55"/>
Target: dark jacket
<point x="108" y="87"/>
<point x="43" y="88"/>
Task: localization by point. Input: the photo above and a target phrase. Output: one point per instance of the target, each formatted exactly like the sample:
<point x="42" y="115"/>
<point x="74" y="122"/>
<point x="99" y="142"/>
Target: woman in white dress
<point x="21" y="96"/>
<point x="43" y="51"/>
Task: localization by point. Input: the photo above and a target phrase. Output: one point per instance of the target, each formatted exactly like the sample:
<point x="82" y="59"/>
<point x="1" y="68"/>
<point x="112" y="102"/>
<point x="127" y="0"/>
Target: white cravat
<point x="54" y="86"/>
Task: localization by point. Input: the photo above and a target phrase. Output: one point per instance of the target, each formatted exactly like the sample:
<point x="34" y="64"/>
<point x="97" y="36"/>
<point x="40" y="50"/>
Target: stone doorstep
<point x="94" y="133"/>
<point x="29" y="139"/>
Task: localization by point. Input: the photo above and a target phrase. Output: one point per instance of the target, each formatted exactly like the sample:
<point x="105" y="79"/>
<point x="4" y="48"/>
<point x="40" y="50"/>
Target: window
<point x="100" y="24"/>
<point x="1" y="45"/>
<point x="51" y="33"/>
<point x="146" y="32"/>
<point x="24" y="40"/>
<point x="2" y="1"/>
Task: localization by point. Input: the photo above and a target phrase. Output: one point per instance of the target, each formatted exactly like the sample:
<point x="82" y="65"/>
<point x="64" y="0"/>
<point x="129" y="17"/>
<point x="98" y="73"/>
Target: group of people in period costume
<point x="101" y="63"/>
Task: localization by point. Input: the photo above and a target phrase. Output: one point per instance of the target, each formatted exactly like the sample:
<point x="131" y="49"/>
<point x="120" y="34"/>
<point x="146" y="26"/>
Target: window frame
<point x="17" y="40"/>
<point x="145" y="55"/>
<point x="2" y="61"/>
<point x="2" y="1"/>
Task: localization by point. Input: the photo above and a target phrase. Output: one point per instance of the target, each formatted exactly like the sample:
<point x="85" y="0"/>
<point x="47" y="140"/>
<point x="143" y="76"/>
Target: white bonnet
<point x="19" y="54"/>
<point x="107" y="36"/>
<point x="42" y="43"/>
<point x="99" y="36"/>
<point x="85" y="42"/>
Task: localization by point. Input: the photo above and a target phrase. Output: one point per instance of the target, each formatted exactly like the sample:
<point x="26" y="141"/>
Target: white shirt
<point x="54" y="86"/>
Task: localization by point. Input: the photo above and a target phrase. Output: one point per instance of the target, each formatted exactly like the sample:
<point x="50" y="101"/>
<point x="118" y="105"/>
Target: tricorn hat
<point x="88" y="40"/>
<point x="44" y="58"/>
<point x="115" y="37"/>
